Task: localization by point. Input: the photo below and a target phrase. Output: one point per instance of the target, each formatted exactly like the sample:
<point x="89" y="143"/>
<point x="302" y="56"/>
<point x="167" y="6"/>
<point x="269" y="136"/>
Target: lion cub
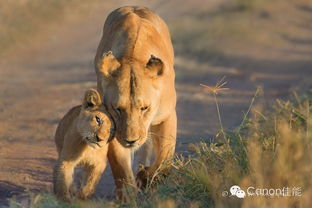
<point x="81" y="138"/>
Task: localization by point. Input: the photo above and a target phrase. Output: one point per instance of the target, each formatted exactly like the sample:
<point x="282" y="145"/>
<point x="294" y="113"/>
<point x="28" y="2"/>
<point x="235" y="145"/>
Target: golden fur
<point x="135" y="75"/>
<point x="82" y="139"/>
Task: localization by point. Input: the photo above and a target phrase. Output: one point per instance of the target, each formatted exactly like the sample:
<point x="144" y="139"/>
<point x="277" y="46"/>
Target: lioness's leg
<point x="62" y="179"/>
<point x="120" y="161"/>
<point x="93" y="175"/>
<point x="145" y="153"/>
<point x="164" y="141"/>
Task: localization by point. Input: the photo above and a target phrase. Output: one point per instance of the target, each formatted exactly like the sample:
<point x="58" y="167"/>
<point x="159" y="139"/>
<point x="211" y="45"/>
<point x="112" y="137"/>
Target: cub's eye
<point x="98" y="120"/>
<point x="144" y="108"/>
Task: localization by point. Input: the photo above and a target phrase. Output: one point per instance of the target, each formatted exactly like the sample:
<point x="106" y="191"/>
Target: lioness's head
<point x="130" y="89"/>
<point x="94" y="124"/>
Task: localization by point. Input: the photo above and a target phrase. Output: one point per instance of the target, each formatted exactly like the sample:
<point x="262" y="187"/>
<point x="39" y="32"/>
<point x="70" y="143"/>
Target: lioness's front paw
<point x="65" y="197"/>
<point x="147" y="178"/>
<point x="73" y="190"/>
<point x="142" y="177"/>
<point x="84" y="194"/>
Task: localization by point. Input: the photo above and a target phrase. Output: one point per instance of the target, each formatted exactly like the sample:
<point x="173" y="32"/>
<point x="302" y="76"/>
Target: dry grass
<point x="280" y="154"/>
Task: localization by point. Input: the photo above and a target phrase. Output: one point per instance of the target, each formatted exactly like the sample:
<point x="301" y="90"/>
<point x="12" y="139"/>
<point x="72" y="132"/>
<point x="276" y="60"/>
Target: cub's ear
<point x="91" y="99"/>
<point x="155" y="66"/>
<point x="108" y="64"/>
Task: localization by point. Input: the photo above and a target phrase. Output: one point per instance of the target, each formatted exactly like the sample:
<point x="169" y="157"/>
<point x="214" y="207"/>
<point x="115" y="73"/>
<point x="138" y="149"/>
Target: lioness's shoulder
<point x="134" y="13"/>
<point x="142" y="12"/>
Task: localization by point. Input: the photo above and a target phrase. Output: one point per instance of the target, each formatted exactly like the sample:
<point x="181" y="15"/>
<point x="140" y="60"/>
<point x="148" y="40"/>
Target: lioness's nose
<point x="131" y="141"/>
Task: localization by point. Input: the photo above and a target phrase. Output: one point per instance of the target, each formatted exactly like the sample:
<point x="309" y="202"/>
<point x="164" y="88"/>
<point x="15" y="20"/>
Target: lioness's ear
<point x="91" y="99"/>
<point x="155" y="66"/>
<point x="108" y="64"/>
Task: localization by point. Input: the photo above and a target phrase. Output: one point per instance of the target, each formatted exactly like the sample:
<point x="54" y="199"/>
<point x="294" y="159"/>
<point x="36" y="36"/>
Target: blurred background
<point x="46" y="63"/>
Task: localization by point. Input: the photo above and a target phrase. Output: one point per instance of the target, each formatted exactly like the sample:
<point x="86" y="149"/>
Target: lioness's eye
<point x="98" y="120"/>
<point x="144" y="108"/>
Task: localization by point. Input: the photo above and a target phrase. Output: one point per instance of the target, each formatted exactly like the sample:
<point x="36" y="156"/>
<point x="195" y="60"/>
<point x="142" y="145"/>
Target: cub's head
<point x="94" y="124"/>
<point x="131" y="92"/>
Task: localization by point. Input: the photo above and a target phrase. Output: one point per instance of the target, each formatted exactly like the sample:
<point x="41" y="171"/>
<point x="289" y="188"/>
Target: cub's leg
<point x="63" y="179"/>
<point x="120" y="161"/>
<point x="93" y="175"/>
<point x="164" y="141"/>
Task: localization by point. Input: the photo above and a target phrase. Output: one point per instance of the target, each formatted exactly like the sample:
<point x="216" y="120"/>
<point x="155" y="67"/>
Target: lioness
<point x="135" y="76"/>
<point x="81" y="138"/>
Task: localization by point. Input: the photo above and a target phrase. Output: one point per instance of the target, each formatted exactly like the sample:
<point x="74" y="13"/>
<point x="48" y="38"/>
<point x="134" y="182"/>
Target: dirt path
<point x="40" y="84"/>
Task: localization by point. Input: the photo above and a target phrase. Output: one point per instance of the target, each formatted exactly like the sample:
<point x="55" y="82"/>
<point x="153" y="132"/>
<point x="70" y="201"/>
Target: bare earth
<point x="39" y="84"/>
